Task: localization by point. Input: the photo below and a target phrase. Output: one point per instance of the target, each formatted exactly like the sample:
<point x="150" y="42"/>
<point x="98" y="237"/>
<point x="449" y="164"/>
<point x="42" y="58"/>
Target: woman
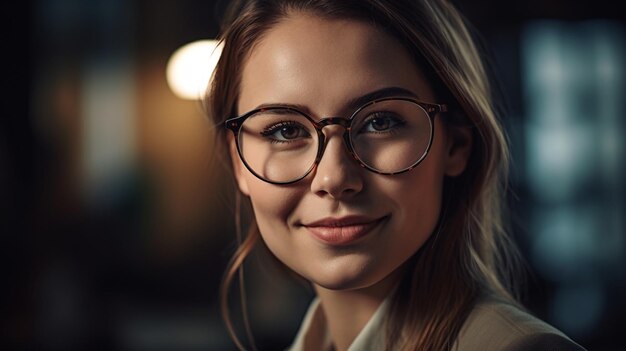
<point x="364" y="137"/>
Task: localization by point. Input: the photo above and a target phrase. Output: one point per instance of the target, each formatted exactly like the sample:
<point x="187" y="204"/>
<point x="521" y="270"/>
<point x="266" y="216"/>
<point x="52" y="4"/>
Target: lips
<point x="342" y="231"/>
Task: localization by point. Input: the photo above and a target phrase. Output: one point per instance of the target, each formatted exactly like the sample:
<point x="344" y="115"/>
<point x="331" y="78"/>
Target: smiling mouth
<point x="343" y="231"/>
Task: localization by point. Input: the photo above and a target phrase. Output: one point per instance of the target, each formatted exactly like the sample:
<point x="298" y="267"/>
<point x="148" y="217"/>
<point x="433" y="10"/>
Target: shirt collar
<point x="314" y="334"/>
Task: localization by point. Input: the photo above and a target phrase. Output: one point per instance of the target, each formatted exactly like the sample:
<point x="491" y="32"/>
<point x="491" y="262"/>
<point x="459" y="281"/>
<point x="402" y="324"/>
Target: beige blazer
<point x="491" y="326"/>
<point x="495" y="326"/>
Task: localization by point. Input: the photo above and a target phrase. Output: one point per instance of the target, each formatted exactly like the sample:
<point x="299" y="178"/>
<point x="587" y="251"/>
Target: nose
<point x="337" y="175"/>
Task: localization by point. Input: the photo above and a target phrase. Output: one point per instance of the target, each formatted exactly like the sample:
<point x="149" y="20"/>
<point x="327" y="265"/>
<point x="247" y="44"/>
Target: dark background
<point x="116" y="222"/>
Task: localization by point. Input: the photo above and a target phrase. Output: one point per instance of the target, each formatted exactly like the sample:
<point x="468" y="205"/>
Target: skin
<point x="301" y="60"/>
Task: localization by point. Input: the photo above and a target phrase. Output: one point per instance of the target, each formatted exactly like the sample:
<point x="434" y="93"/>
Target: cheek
<point x="273" y="207"/>
<point x="273" y="211"/>
<point x="271" y="203"/>
<point x="418" y="203"/>
<point x="427" y="189"/>
<point x="417" y="196"/>
<point x="423" y="207"/>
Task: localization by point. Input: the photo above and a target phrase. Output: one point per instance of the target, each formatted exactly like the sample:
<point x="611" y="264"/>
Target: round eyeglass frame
<point x="234" y="124"/>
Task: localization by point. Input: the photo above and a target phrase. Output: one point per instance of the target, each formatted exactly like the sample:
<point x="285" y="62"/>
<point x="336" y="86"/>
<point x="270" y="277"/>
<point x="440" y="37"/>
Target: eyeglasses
<point x="282" y="145"/>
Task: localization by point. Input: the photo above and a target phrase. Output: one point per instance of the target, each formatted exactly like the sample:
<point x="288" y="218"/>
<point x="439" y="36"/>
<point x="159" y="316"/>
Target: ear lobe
<point x="460" y="142"/>
<point x="238" y="167"/>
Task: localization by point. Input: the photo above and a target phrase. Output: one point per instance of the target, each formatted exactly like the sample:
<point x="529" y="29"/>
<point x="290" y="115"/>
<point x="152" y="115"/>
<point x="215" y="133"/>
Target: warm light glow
<point x="190" y="68"/>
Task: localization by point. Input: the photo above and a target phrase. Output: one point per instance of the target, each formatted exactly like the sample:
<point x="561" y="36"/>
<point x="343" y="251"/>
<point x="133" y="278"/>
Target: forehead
<point x="322" y="63"/>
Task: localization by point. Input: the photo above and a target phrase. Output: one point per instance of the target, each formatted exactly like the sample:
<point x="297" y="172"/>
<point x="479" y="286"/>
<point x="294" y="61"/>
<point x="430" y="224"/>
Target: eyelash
<point x="270" y="130"/>
<point x="392" y="116"/>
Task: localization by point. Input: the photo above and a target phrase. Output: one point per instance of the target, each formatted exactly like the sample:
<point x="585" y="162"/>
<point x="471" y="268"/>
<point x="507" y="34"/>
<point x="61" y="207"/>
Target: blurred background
<point x="116" y="219"/>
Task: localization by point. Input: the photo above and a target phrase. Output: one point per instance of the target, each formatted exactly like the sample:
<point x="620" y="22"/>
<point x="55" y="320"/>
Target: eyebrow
<point x="379" y="94"/>
<point x="356" y="102"/>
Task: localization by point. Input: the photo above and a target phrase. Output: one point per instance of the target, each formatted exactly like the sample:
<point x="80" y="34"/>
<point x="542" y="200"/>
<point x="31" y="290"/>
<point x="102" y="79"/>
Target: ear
<point x="238" y="167"/>
<point x="459" y="148"/>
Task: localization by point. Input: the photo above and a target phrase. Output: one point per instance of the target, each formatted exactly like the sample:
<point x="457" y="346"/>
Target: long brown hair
<point x="470" y="253"/>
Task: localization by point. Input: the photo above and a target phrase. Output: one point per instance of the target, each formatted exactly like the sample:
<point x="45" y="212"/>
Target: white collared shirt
<point x="314" y="334"/>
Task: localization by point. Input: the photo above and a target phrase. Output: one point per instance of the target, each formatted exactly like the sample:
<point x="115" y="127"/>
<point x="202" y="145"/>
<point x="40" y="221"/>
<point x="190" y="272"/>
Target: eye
<point x="381" y="122"/>
<point x="285" y="131"/>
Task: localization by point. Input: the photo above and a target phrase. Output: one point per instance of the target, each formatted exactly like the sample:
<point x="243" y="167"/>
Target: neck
<point x="348" y="311"/>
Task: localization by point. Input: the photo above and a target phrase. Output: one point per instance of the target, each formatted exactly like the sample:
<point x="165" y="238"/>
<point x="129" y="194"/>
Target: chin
<point x="344" y="280"/>
<point x="340" y="285"/>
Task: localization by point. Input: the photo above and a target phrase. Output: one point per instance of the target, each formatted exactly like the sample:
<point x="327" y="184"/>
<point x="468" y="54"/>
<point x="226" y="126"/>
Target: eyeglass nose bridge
<point x="329" y="121"/>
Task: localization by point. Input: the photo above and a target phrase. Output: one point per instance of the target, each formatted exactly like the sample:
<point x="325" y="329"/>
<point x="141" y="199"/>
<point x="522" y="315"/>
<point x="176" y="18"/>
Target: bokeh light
<point x="190" y="68"/>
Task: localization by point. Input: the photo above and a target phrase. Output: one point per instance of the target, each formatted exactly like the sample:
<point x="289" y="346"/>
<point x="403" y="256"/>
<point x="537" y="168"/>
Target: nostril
<point x="336" y="174"/>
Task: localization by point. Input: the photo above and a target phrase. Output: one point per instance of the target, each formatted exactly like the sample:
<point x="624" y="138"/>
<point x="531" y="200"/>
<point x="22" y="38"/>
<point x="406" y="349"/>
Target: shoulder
<point x="493" y="325"/>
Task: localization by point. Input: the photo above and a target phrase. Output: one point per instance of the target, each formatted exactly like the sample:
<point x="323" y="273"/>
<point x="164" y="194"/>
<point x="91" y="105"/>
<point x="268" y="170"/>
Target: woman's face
<point x="342" y="227"/>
